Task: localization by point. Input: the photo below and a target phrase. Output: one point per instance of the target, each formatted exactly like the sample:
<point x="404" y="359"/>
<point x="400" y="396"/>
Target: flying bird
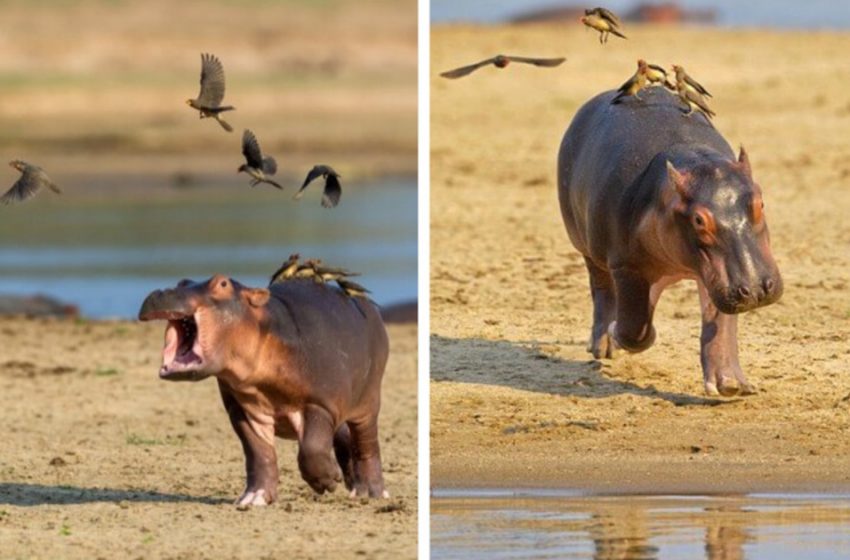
<point x="333" y="190"/>
<point x="500" y="61"/>
<point x="32" y="179"/>
<point x="604" y="21"/>
<point x="257" y="166"/>
<point x="690" y="83"/>
<point x="604" y="13"/>
<point x="208" y="102"/>
<point x="634" y="84"/>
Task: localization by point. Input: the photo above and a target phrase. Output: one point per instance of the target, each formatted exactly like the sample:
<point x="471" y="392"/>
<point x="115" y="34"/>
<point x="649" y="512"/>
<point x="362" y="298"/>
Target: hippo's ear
<point x="183" y="283"/>
<point x="744" y="163"/>
<point x="257" y="297"/>
<point x="680" y="181"/>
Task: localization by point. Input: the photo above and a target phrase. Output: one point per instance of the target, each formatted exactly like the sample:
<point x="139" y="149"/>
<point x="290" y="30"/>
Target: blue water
<point x="106" y="256"/>
<point x="812" y="14"/>
<point x="507" y="523"/>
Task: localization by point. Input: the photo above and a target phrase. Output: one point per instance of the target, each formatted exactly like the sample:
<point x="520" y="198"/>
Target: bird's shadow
<point x="21" y="494"/>
<point x="529" y="366"/>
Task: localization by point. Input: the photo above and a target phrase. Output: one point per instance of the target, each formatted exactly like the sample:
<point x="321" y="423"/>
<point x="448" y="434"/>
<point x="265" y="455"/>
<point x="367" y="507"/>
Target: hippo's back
<point x="607" y="147"/>
<point x="335" y="330"/>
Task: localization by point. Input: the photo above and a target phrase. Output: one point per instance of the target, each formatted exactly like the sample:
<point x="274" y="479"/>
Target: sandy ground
<point x="515" y="398"/>
<point x="100" y="459"/>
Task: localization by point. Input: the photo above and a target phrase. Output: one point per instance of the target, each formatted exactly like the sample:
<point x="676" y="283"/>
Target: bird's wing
<point x="699" y="101"/>
<point x="658" y="69"/>
<point x="269" y="165"/>
<point x="548" y="62"/>
<point x="317" y="171"/>
<point x="696" y="85"/>
<point x="212" y="81"/>
<point x="251" y="150"/>
<point x="609" y="15"/>
<point x="628" y="84"/>
<point x="466" y="70"/>
<point x="333" y="191"/>
<point x="25" y="187"/>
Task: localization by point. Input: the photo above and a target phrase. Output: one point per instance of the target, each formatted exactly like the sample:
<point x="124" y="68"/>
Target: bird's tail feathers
<point x="224" y="124"/>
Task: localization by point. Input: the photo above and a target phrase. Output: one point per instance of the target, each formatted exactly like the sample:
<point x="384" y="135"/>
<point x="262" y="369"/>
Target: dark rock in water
<point x="405" y="312"/>
<point x="36" y="306"/>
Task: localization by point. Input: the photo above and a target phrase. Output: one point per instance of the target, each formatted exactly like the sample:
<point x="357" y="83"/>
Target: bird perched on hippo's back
<point x="691" y="93"/>
<point x="208" y="102"/>
<point x="257" y="166"/>
<point x="501" y="61"/>
<point x="634" y="84"/>
<point x="32" y="179"/>
<point x="604" y="21"/>
<point x="333" y="190"/>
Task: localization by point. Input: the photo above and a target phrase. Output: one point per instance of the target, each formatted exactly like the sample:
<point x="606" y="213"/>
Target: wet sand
<point x="515" y="398"/>
<point x="101" y="459"/>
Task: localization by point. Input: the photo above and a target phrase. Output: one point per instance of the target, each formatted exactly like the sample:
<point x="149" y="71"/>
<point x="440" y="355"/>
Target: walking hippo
<point x="649" y="197"/>
<point x="299" y="360"/>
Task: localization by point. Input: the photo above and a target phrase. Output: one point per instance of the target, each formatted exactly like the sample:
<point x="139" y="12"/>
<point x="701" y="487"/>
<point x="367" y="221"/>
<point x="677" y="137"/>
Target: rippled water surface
<point x="561" y="524"/>
<point x="106" y="255"/>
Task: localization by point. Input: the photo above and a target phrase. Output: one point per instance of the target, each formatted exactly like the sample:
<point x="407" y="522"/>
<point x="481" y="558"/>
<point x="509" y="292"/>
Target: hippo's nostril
<point x="768" y="284"/>
<point x="744" y="291"/>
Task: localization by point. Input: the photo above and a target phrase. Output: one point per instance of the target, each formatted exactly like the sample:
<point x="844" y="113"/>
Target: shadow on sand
<point x="20" y="494"/>
<point x="525" y="366"/>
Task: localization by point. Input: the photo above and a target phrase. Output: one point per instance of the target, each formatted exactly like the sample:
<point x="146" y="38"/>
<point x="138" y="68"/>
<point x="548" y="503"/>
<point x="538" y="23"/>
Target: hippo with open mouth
<point x="650" y="197"/>
<point x="300" y="360"/>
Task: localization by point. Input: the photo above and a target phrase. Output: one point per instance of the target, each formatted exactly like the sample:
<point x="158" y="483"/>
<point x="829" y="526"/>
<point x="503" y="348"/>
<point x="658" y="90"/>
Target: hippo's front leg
<point x="633" y="330"/>
<point x="316" y="459"/>
<point x="260" y="456"/>
<point x="722" y="374"/>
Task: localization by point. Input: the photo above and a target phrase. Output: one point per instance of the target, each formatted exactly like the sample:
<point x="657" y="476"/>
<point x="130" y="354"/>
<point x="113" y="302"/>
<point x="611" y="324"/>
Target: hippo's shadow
<point x="523" y="365"/>
<point x="21" y="494"/>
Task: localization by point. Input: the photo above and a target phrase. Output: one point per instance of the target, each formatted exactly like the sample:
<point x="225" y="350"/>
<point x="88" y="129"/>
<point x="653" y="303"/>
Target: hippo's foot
<point x="320" y="471"/>
<point x="728" y="383"/>
<point x="602" y="346"/>
<point x="632" y="343"/>
<point x="255" y="497"/>
<point x="368" y="479"/>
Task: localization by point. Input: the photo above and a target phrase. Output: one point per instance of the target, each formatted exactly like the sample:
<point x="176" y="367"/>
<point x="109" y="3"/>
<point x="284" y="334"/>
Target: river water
<point x="518" y="523"/>
<point x="105" y="255"/>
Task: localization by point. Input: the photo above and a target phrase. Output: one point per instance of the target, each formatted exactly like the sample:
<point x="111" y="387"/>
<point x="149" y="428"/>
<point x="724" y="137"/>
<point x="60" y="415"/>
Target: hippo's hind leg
<point x="601" y="344"/>
<point x="316" y="459"/>
<point x="633" y="330"/>
<point x="344" y="454"/>
<point x="260" y="456"/>
<point x="368" y="474"/>
<point x="722" y="373"/>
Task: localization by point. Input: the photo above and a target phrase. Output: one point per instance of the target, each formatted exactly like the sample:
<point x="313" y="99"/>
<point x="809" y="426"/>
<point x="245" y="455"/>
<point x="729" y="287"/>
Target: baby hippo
<point x="300" y="360"/>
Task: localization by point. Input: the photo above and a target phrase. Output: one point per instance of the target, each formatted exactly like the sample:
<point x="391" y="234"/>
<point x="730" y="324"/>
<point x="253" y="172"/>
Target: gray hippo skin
<point x="300" y="360"/>
<point x="649" y="197"/>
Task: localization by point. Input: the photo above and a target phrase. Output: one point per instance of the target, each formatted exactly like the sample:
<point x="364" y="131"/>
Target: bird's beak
<point x="188" y="102"/>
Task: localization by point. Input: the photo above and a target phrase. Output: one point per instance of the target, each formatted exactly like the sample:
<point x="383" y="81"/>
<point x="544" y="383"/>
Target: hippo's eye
<point x="223" y="284"/>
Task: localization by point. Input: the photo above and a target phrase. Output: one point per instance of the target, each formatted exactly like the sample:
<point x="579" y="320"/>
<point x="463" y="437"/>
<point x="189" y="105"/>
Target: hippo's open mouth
<point x="182" y="355"/>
